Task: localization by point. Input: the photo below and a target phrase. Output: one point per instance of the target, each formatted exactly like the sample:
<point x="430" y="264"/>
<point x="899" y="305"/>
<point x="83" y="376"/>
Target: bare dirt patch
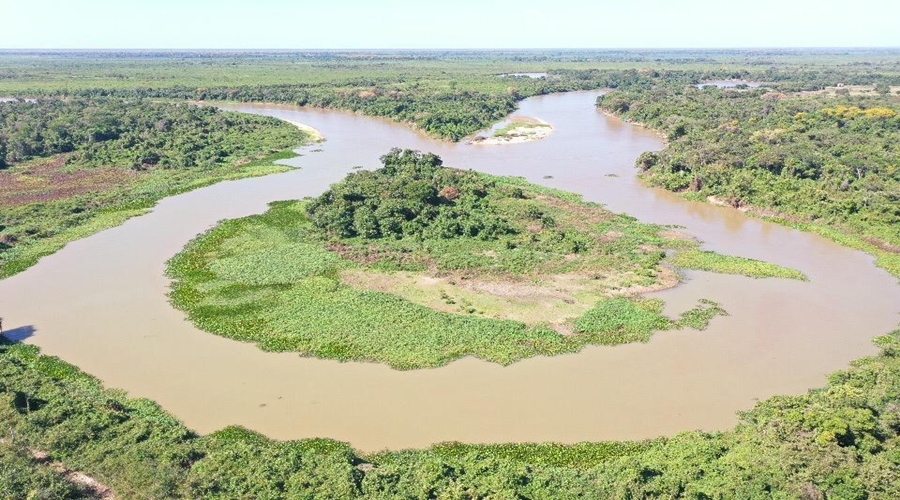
<point x="674" y="235"/>
<point x="883" y="245"/>
<point x="86" y="484"/>
<point x="315" y="135"/>
<point x="372" y="254"/>
<point x="48" y="180"/>
<point x="750" y="209"/>
<point x="553" y="301"/>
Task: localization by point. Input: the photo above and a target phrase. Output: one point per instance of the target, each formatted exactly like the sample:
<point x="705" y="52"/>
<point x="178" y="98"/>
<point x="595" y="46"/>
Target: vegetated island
<point x="520" y="129"/>
<point x="416" y="265"/>
<point x="71" y="168"/>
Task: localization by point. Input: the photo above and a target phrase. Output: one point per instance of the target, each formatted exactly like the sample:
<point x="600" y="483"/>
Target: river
<point x="100" y="304"/>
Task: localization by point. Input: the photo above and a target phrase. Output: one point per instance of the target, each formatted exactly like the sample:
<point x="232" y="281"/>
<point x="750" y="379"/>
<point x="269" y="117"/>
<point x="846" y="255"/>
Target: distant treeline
<point x="451" y="111"/>
<point x="448" y="105"/>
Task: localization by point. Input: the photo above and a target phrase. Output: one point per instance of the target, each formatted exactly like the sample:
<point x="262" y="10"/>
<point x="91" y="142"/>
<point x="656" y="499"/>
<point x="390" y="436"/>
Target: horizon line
<point x="426" y="49"/>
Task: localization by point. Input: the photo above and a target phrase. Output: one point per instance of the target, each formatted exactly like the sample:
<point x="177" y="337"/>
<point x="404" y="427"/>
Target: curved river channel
<point x="100" y="303"/>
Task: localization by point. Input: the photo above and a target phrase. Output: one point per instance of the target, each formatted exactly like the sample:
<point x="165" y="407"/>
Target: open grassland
<point x="837" y="442"/>
<point x="71" y="169"/>
<point x="417" y="265"/>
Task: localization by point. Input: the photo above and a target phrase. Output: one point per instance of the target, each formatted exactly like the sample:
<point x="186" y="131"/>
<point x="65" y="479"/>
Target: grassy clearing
<point x="727" y="264"/>
<point x="521" y="271"/>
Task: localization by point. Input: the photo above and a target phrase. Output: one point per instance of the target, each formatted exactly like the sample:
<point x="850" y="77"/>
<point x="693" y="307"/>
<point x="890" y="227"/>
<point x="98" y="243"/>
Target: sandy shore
<point x="315" y="135"/>
<point x="521" y="129"/>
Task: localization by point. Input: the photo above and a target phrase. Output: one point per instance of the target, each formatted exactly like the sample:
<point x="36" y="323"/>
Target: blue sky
<point x="443" y="24"/>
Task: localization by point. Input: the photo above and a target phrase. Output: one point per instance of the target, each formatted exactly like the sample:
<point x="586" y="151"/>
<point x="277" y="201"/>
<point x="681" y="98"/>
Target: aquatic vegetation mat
<point x="727" y="264"/>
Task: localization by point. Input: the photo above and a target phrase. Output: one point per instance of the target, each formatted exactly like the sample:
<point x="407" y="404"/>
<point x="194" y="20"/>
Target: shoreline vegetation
<point x="840" y="441"/>
<point x="70" y="169"/>
<point x="417" y="265"/>
<point x="819" y="162"/>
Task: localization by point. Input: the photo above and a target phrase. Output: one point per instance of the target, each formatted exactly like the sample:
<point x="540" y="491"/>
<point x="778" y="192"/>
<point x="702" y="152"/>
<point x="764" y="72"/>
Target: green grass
<point x="579" y="456"/>
<point x="727" y="264"/>
<point x="620" y="320"/>
<point x="21" y="477"/>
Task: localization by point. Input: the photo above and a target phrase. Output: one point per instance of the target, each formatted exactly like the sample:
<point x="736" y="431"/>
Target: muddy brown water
<point x="100" y="304"/>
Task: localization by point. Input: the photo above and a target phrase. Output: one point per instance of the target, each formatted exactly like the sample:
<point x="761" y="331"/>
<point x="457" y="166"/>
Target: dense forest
<point x="411" y="196"/>
<point x="72" y="167"/>
<point x="826" y="160"/>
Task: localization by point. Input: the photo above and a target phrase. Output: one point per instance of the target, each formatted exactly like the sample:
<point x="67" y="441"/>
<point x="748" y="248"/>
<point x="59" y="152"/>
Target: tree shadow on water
<point x="19" y="334"/>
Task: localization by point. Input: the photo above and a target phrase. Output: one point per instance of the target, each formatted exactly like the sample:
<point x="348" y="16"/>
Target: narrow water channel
<point x="100" y="304"/>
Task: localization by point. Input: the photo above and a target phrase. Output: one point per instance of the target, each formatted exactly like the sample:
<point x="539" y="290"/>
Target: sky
<point x="407" y="24"/>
